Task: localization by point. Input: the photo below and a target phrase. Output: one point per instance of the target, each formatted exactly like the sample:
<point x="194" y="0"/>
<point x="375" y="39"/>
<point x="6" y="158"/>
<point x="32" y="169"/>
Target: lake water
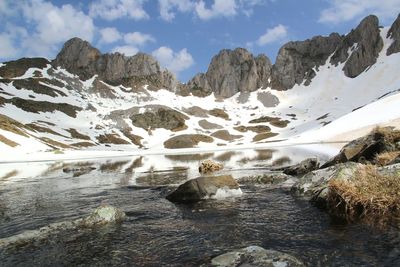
<point x="160" y="233"/>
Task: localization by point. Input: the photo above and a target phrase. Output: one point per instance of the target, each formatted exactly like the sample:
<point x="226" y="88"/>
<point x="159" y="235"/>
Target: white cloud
<point x="138" y="38"/>
<point x="278" y="33"/>
<point x="127" y="50"/>
<point x="115" y="9"/>
<point x="109" y="35"/>
<point x="346" y="10"/>
<point x="167" y="7"/>
<point x="174" y="61"/>
<point x="224" y="8"/>
<point x="7" y="49"/>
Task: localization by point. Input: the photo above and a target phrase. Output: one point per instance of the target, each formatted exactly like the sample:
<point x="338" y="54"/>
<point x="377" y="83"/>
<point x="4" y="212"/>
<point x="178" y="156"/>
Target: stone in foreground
<point x="256" y="256"/>
<point x="216" y="187"/>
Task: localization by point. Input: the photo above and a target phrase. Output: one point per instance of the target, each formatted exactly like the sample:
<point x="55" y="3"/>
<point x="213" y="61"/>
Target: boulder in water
<point x="200" y="188"/>
<point x="103" y="215"/>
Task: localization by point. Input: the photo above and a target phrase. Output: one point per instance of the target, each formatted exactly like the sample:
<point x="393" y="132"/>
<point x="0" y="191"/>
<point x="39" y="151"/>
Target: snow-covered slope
<point x="57" y="111"/>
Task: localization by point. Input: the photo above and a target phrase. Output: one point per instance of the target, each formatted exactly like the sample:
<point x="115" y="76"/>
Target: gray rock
<point x="365" y="43"/>
<point x="394" y="33"/>
<point x="296" y="60"/>
<point x="254" y="256"/>
<point x="80" y="58"/>
<point x="205" y="187"/>
<point x="314" y="185"/>
<point x="303" y="167"/>
<point x="232" y="71"/>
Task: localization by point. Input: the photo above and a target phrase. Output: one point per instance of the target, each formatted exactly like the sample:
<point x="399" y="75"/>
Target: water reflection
<point x="158" y="232"/>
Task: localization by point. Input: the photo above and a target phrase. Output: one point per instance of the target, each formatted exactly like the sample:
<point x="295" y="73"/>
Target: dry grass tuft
<point x="386" y="158"/>
<point x="391" y="135"/>
<point x="368" y="195"/>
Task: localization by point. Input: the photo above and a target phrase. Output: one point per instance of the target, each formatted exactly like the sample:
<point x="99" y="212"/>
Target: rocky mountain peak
<point x="233" y="71"/>
<point x="364" y="44"/>
<point x="80" y="58"/>
<point x="296" y="60"/>
<point x="394" y="33"/>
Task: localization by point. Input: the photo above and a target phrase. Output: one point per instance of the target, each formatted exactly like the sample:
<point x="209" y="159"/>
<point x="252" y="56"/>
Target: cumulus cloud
<point x="216" y="9"/>
<point x="138" y="38"/>
<point x="347" y="10"/>
<point x="109" y="35"/>
<point x="272" y="35"/>
<point x="127" y="50"/>
<point x="116" y="9"/>
<point x="174" y="61"/>
<point x="169" y="7"/>
<point x="7" y="49"/>
<point x="225" y="8"/>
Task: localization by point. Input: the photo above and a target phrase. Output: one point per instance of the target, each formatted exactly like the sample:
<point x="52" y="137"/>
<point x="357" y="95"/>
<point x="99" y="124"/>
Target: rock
<point x="303" y="167"/>
<point x="256" y="256"/>
<point x="365" y="149"/>
<point x="364" y="42"/>
<point x="160" y="117"/>
<point x="270" y="178"/>
<point x="394" y="33"/>
<point x="296" y="61"/>
<point x="209" y="166"/>
<point x="13" y="69"/>
<point x="232" y="71"/>
<point x="187" y="141"/>
<point x="204" y="188"/>
<point x="80" y="58"/>
<point x="314" y="185"/>
<point x="104" y="214"/>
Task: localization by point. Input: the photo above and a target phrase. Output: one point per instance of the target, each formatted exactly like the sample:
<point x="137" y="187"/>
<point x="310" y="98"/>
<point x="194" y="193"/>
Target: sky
<point x="183" y="35"/>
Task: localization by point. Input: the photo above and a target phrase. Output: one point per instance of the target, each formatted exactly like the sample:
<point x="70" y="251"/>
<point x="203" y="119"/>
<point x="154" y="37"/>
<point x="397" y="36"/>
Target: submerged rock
<point x="204" y="188"/>
<point x="209" y="166"/>
<point x="256" y="256"/>
<point x="104" y="214"/>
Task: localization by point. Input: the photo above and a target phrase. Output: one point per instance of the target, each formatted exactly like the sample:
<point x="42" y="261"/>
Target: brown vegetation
<point x="274" y="121"/>
<point x="187" y="141"/>
<point x="368" y="195"/>
<point x="75" y="134"/>
<point x="386" y="158"/>
<point x="263" y="136"/>
<point x="7" y="141"/>
<point x="111" y="139"/>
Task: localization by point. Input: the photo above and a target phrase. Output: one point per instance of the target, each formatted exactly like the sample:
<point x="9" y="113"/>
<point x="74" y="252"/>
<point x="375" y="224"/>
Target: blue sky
<point x="182" y="34"/>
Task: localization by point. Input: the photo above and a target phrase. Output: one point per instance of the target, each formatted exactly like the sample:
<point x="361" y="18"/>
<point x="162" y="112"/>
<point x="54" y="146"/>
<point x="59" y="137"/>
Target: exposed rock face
<point x="205" y="187"/>
<point x="296" y="60"/>
<point x="79" y="57"/>
<point x="187" y="141"/>
<point x="364" y="44"/>
<point x="394" y="33"/>
<point x="160" y="117"/>
<point x="233" y="71"/>
<point x="256" y="256"/>
<point x="18" y="67"/>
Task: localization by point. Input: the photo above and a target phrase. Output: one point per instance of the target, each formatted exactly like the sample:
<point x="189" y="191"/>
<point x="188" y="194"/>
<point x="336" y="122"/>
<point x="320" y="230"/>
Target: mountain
<point x="319" y="89"/>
